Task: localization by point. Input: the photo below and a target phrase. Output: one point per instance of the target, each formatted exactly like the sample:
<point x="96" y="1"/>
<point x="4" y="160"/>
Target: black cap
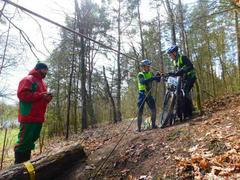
<point x="40" y="65"/>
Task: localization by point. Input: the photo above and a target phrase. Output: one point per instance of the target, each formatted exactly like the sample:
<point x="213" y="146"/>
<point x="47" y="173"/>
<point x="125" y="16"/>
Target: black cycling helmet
<point x="173" y="48"/>
<point x="145" y="62"/>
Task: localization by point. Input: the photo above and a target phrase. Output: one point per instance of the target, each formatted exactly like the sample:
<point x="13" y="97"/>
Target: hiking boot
<point x="188" y="118"/>
<point x="21" y="157"/>
<point x="154" y="127"/>
<point x="137" y="130"/>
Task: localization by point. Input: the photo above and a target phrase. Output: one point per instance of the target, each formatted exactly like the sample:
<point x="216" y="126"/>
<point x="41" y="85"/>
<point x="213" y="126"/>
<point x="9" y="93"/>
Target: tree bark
<point x="172" y="22"/>
<point x="47" y="167"/>
<point x="160" y="52"/>
<point x="110" y="96"/>
<point x="182" y="28"/>
<point x="119" y="76"/>
<point x="71" y="77"/>
<point x="81" y="26"/>
<point x="83" y="88"/>
<point x="90" y="109"/>
<point x="58" y="106"/>
<point x="141" y="31"/>
<point x="199" y="102"/>
<point x="76" y="99"/>
<point x="238" y="41"/>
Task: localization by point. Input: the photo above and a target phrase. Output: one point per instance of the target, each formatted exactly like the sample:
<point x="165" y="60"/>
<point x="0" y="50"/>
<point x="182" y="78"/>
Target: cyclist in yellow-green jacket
<point x="145" y="79"/>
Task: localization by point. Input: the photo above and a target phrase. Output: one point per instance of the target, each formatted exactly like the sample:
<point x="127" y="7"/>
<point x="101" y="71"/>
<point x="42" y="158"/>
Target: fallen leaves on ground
<point x="216" y="153"/>
<point x="208" y="147"/>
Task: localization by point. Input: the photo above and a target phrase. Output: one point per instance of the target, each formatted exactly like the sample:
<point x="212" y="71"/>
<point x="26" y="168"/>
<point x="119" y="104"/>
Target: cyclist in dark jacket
<point x="145" y="79"/>
<point x="185" y="69"/>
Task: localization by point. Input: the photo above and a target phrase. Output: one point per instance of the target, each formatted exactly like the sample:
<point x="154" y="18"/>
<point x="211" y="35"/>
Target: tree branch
<point x="40" y="27"/>
<point x="25" y="37"/>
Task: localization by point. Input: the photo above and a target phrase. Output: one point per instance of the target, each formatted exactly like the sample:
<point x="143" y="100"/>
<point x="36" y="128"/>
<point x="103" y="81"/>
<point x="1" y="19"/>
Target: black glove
<point x="180" y="72"/>
<point x="158" y="74"/>
<point x="157" y="78"/>
<point x="171" y="74"/>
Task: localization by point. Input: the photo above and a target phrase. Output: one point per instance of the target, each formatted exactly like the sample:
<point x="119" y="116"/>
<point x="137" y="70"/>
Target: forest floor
<point x="207" y="147"/>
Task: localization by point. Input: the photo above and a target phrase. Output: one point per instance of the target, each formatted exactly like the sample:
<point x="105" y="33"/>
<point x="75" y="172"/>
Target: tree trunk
<point x="91" y="110"/>
<point x="141" y="32"/>
<point x="83" y="88"/>
<point x="76" y="99"/>
<point x="47" y="167"/>
<point x="89" y="94"/>
<point x="162" y="69"/>
<point x="238" y="41"/>
<point x="75" y="95"/>
<point x="172" y="22"/>
<point x="136" y="63"/>
<point x="110" y="96"/>
<point x="182" y="29"/>
<point x="211" y="67"/>
<point x="198" y="82"/>
<point x="82" y="56"/>
<point x="119" y="76"/>
<point x="223" y="73"/>
<point x="199" y="102"/>
<point x="71" y="77"/>
<point x="58" y="106"/>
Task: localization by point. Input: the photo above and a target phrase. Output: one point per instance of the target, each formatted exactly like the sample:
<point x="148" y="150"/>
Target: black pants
<point x="188" y="83"/>
<point x="151" y="104"/>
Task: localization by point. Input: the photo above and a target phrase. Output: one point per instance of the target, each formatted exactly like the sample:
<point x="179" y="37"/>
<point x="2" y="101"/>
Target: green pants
<point x="28" y="134"/>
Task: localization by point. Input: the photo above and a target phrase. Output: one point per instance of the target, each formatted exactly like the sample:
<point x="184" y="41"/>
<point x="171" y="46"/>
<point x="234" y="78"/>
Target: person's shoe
<point x="21" y="157"/>
<point x="188" y="118"/>
<point x="154" y="127"/>
<point x="28" y="155"/>
<point x="18" y="157"/>
<point x="137" y="130"/>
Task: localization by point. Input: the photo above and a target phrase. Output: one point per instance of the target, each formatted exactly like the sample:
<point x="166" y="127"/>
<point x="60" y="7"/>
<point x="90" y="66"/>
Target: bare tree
<point x="110" y="96"/>
<point x="81" y="27"/>
<point x="140" y="29"/>
<point x="5" y="50"/>
<point x="71" y="76"/>
<point x="182" y="29"/>
<point x="171" y="21"/>
<point x="237" y="27"/>
<point x="119" y="75"/>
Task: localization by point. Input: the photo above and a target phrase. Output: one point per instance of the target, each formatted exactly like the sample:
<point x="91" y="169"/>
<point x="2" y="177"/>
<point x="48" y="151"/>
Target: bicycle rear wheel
<point x="167" y="111"/>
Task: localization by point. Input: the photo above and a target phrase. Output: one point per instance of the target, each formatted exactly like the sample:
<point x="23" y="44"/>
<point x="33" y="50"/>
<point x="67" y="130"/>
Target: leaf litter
<point x="208" y="147"/>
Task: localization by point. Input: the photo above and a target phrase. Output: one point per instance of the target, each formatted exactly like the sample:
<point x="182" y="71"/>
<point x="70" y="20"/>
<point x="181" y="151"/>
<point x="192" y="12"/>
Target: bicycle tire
<point x="180" y="106"/>
<point x="167" y="111"/>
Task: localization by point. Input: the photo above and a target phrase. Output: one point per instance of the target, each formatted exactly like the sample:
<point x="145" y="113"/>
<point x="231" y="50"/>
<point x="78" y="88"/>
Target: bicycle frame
<point x="171" y="106"/>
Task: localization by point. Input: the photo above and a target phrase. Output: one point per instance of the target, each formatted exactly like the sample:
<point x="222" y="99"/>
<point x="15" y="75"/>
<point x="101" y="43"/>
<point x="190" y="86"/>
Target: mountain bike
<point x="173" y="101"/>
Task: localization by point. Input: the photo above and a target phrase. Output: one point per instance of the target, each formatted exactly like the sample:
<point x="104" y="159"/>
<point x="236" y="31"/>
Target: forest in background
<point x="93" y="85"/>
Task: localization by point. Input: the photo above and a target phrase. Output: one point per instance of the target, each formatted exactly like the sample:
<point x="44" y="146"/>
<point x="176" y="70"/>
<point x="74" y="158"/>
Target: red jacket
<point x="33" y="103"/>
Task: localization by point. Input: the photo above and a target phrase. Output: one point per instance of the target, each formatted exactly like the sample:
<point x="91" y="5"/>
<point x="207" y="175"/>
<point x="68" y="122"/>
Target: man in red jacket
<point x="33" y="100"/>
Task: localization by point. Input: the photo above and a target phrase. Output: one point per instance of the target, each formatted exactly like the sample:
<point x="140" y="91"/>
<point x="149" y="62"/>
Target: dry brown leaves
<point x="216" y="154"/>
<point x="221" y="103"/>
<point x="222" y="166"/>
<point x="135" y="153"/>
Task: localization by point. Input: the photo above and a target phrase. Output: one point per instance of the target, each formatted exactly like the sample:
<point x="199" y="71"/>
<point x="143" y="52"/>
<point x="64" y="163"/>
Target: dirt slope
<point x="206" y="147"/>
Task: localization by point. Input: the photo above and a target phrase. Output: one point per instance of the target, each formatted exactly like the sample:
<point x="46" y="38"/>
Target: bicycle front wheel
<point x="167" y="111"/>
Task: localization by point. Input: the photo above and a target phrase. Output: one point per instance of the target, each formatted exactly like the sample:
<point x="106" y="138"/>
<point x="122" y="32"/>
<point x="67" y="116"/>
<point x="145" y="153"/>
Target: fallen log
<point x="47" y="166"/>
